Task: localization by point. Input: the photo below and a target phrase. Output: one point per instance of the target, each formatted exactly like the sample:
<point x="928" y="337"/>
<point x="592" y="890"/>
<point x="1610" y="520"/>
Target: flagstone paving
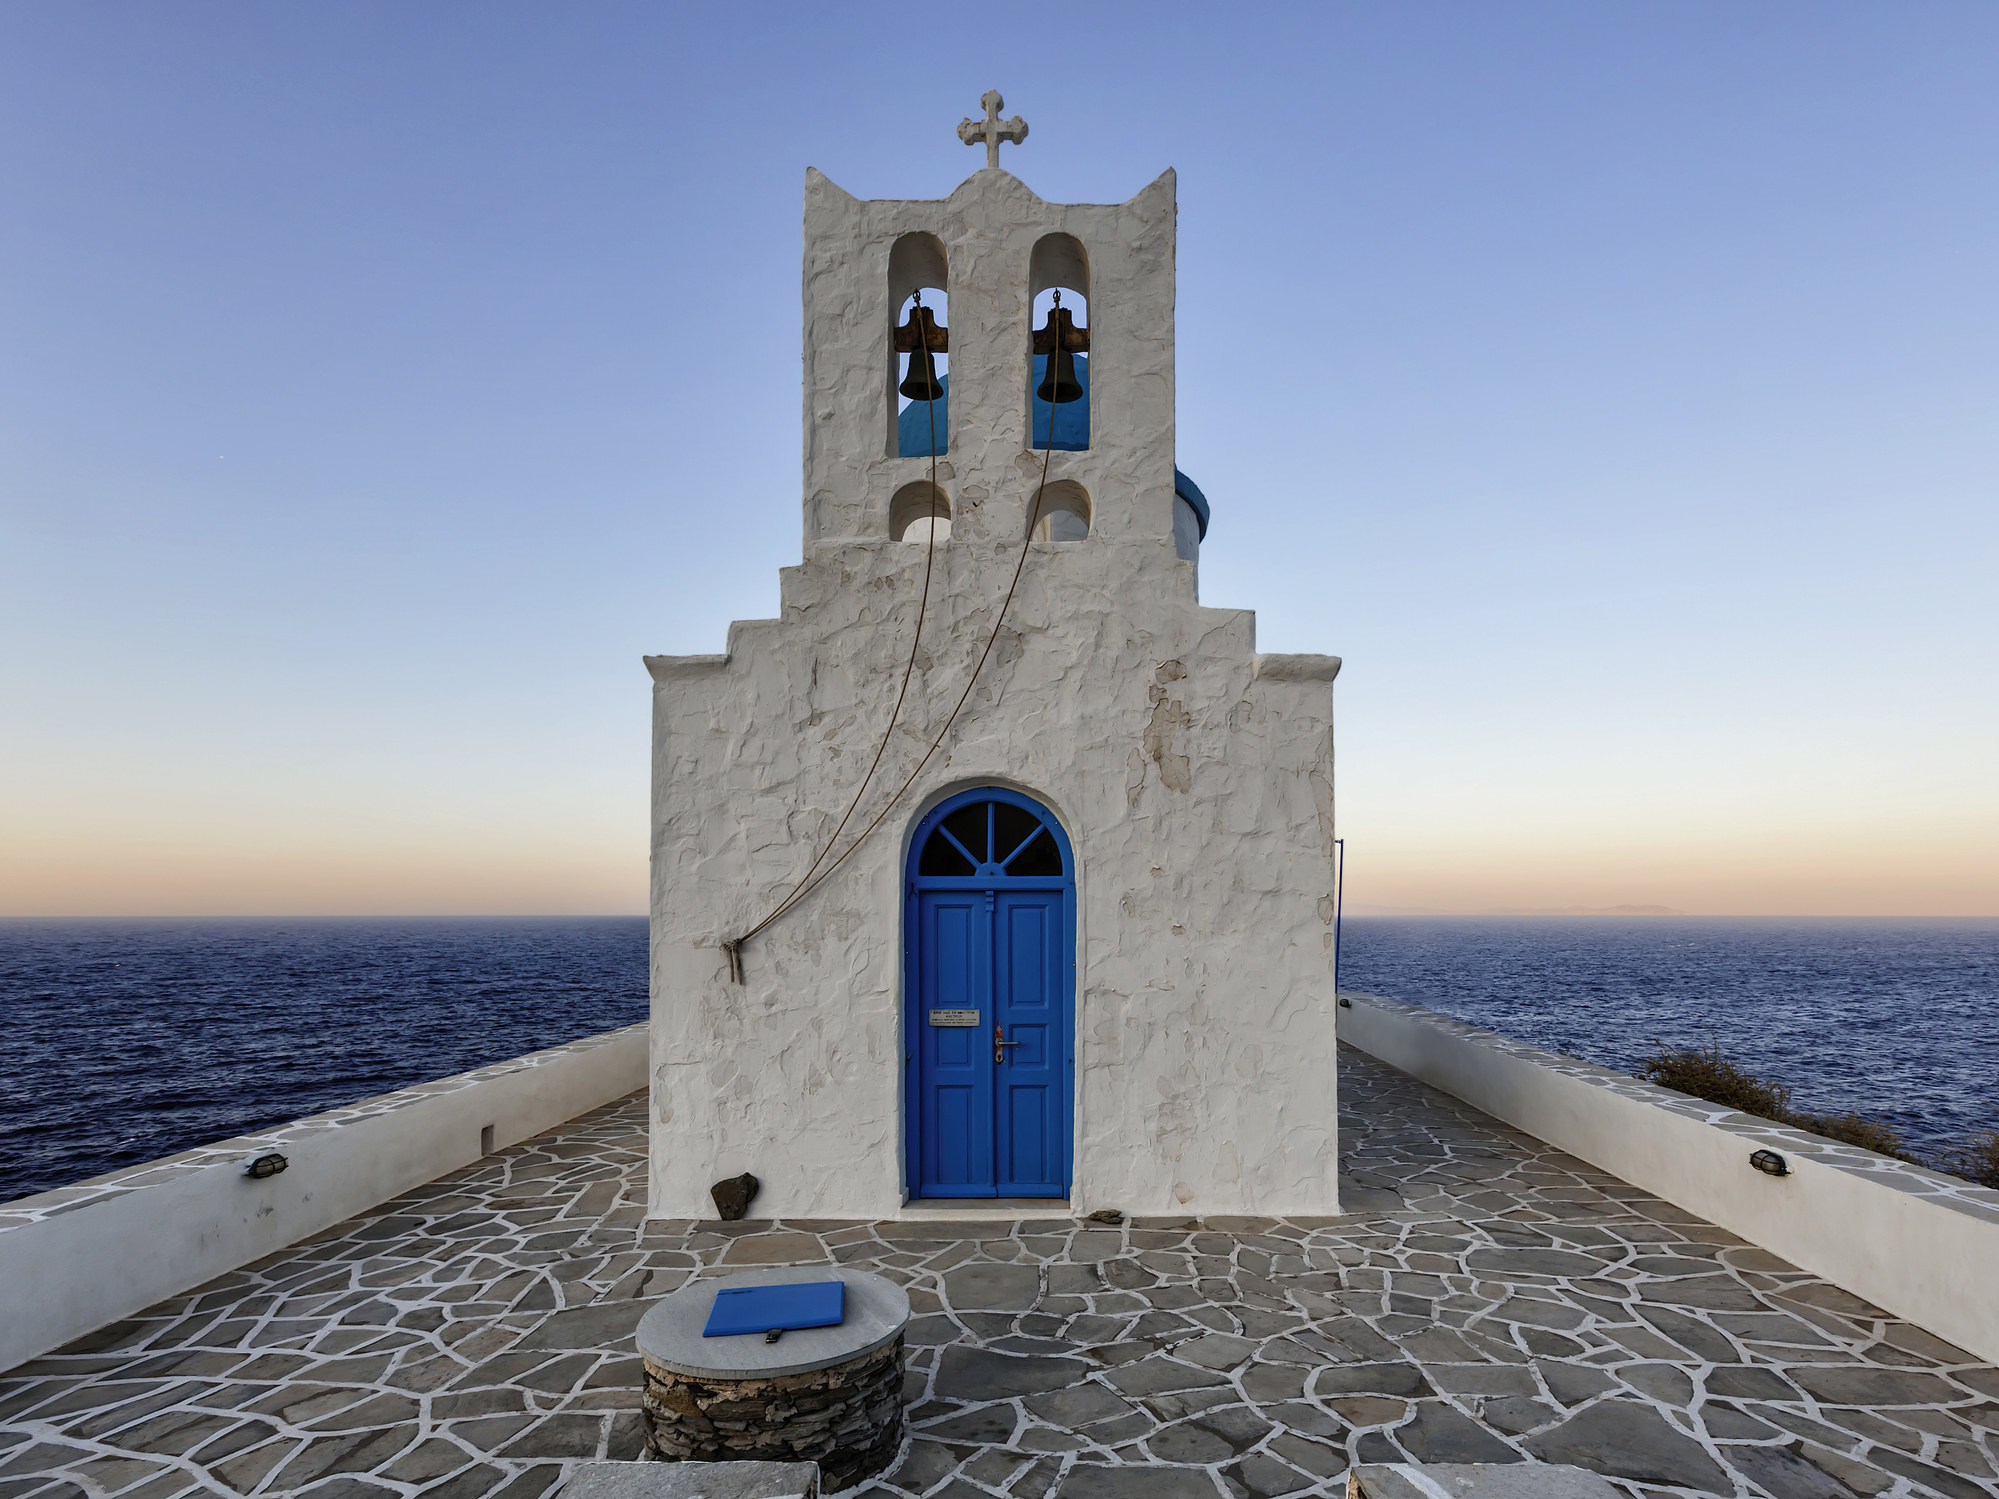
<point x="1489" y="1299"/>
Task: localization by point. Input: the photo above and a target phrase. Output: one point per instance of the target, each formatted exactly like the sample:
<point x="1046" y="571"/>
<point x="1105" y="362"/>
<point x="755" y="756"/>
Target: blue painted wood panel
<point x="991" y="929"/>
<point x="1027" y="1003"/>
<point x="955" y="938"/>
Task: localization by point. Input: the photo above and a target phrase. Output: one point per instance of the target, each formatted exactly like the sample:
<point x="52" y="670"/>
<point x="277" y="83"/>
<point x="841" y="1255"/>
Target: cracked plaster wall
<point x="1193" y="776"/>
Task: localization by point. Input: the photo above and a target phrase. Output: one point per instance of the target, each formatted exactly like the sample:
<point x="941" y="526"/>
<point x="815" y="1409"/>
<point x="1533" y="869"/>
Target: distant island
<point x="1583" y="911"/>
<point x="1359" y="909"/>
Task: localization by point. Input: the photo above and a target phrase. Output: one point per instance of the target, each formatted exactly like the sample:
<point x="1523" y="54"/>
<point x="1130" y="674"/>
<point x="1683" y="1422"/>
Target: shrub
<point x="1975" y="1158"/>
<point x="1706" y="1073"/>
<point x="1851" y="1129"/>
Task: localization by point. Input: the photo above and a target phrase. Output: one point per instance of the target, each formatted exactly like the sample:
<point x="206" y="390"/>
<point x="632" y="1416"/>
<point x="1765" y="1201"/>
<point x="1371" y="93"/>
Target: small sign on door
<point x="954" y="1017"/>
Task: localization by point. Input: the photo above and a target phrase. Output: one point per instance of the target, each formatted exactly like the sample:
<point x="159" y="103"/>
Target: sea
<point x="124" y="1041"/>
<point x="1895" y="1020"/>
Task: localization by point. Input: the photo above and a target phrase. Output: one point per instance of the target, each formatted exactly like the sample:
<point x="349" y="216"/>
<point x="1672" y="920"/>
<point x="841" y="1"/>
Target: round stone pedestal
<point x="829" y="1395"/>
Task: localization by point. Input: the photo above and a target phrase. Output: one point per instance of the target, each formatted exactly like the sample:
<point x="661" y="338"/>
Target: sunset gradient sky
<point x="1615" y="387"/>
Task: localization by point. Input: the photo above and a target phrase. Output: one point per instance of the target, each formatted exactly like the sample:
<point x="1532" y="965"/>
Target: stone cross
<point x="992" y="129"/>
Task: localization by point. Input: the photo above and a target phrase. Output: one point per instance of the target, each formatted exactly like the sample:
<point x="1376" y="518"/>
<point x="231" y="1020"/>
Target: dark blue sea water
<point x="123" y="1041"/>
<point x="1894" y="1020"/>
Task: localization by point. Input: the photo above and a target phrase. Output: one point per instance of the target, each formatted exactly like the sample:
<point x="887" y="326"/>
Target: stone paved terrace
<point x="1488" y="1299"/>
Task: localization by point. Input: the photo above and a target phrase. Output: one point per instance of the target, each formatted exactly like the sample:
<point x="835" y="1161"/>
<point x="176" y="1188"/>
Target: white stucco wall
<point x="108" y="1247"/>
<point x="1920" y="1245"/>
<point x="1193" y="776"/>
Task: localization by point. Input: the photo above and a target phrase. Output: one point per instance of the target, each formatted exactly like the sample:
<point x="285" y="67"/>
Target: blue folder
<point x="812" y="1303"/>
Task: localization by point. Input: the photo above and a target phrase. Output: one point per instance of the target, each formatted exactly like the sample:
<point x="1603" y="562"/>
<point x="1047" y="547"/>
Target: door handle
<point x="1000" y="1043"/>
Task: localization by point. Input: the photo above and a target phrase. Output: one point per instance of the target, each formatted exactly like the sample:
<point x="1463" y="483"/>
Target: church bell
<point x="921" y="383"/>
<point x="1060" y="385"/>
<point x="922" y="340"/>
<point x="1060" y="340"/>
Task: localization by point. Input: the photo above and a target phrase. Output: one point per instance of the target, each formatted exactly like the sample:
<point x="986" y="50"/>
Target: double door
<point x="992" y="1033"/>
<point x="990" y="976"/>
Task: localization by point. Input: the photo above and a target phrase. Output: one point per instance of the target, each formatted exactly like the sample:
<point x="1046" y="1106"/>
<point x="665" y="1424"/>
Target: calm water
<point x="1896" y="1020"/>
<point x="124" y="1041"/>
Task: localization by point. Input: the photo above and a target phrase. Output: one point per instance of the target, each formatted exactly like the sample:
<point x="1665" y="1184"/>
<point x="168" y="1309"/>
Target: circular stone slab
<point x="670" y="1334"/>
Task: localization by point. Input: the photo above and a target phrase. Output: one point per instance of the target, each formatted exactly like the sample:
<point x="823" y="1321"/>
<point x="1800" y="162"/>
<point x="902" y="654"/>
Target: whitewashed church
<point x="996" y="867"/>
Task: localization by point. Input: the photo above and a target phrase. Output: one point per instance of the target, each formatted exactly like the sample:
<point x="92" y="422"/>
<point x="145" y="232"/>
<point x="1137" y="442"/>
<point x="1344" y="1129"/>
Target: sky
<point x="1614" y="387"/>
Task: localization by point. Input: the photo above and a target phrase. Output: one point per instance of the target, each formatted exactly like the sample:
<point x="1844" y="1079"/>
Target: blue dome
<point x="1071" y="430"/>
<point x="1189" y="491"/>
<point x="912" y="425"/>
<point x="1072" y="418"/>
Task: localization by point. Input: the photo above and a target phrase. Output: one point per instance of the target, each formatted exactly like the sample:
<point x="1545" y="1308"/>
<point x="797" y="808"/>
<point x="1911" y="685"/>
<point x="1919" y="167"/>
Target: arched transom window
<point x="989" y="839"/>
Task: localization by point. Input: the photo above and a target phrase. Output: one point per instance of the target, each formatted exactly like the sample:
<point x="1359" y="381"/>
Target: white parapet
<point x="1915" y="1243"/>
<point x="77" y="1258"/>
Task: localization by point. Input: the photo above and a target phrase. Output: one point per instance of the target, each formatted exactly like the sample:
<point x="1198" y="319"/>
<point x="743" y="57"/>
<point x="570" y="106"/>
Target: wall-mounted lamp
<point x="266" y="1165"/>
<point x="1770" y="1163"/>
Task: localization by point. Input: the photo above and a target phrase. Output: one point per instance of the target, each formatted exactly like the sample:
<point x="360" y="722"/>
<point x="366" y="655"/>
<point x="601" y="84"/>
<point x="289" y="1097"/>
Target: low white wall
<point x="75" y="1259"/>
<point x="1912" y="1242"/>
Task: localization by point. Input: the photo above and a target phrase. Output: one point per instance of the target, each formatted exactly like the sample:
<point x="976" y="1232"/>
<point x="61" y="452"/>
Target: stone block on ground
<point x="1475" y="1481"/>
<point x="692" y="1481"/>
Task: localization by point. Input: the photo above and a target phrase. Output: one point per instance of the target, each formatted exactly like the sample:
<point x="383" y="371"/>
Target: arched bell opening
<point x="1058" y="378"/>
<point x="1064" y="514"/>
<point x="919" y="512"/>
<point x="919" y="348"/>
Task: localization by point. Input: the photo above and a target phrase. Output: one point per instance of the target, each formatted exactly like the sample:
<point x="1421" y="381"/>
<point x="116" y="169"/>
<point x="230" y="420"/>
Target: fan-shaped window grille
<point x="992" y="838"/>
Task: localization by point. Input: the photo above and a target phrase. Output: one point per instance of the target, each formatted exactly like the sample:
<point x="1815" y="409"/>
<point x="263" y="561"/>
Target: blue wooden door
<point x="956" y="1060"/>
<point x="991" y="979"/>
<point x="1029" y="963"/>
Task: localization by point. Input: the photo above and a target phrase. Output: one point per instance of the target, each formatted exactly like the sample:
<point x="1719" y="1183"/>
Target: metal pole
<point x="1339" y="900"/>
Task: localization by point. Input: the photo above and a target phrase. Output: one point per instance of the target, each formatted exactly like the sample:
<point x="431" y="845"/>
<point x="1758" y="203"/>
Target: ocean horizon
<point x="130" y="1039"/>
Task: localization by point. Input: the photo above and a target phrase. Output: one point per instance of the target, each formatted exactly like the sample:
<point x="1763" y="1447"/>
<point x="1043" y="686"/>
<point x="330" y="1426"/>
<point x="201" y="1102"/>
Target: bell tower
<point x="996" y="863"/>
<point x="991" y="249"/>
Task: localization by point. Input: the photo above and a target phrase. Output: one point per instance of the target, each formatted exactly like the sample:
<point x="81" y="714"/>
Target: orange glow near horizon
<point x="101" y="877"/>
<point x="99" y="874"/>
